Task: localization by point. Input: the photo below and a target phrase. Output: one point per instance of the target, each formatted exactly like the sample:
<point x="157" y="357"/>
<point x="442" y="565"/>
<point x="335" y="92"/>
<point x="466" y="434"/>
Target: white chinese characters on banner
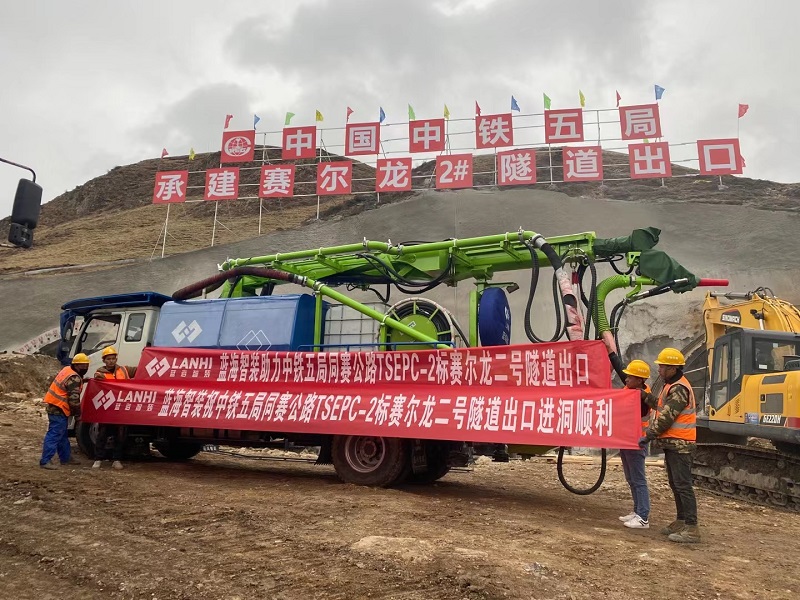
<point x="299" y="142"/>
<point x="393" y="175"/>
<point x="454" y="171"/>
<point x="222" y="184"/>
<point x="583" y="164"/>
<point x="565" y="125"/>
<point x="238" y="146"/>
<point x="170" y="187"/>
<point x="362" y="138"/>
<point x="334" y="178"/>
<point x="649" y="160"/>
<point x="277" y="181"/>
<point x="719" y="157"/>
<point x="516" y="167"/>
<point x="426" y="135"/>
<point x="640" y="122"/>
<point x="494" y="131"/>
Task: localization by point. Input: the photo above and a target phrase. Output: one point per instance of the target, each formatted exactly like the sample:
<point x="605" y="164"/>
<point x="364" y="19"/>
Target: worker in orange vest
<point x="113" y="435"/>
<point x="633" y="461"/>
<point x="674" y="429"/>
<point x="62" y="399"/>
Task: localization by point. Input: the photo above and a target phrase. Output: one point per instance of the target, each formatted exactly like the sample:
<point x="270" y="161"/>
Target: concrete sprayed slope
<point x="749" y="246"/>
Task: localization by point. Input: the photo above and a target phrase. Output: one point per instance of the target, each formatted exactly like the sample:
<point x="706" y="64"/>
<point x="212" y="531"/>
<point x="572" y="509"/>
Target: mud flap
<point x="419" y="457"/>
<point x="325" y="457"/>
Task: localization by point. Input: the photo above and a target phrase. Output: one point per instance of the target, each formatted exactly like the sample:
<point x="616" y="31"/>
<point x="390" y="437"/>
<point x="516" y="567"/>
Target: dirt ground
<point x="219" y="527"/>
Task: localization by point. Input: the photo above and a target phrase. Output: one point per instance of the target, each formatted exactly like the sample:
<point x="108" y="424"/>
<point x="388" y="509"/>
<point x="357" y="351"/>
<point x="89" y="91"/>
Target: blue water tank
<point x="283" y="322"/>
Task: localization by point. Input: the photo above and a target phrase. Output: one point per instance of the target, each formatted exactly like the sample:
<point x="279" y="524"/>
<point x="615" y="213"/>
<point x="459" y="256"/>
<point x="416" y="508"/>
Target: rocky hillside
<point x="111" y="217"/>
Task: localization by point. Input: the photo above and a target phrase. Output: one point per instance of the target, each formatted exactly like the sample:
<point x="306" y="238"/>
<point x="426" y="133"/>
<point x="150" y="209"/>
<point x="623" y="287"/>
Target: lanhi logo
<point x="157" y="367"/>
<point x="103" y="400"/>
<point x="187" y="332"/>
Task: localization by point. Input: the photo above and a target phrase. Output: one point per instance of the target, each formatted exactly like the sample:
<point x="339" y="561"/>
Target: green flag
<point x="546" y="101"/>
<point x="411" y="115"/>
<point x="289" y="116"/>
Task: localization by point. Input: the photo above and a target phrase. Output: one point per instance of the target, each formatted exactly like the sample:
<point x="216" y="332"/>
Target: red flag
<point x="349" y="112"/>
<point x="743" y="109"/>
<point x="477" y="109"/>
<point x="164" y="153"/>
<point x="618" y="99"/>
<point x="227" y="120"/>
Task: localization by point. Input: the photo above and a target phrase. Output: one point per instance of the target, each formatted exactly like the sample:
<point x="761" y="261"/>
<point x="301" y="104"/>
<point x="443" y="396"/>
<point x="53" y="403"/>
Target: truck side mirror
<point x="25" y="213"/>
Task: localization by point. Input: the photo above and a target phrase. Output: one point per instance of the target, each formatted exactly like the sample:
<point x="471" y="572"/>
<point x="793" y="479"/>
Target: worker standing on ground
<point x="633" y="461"/>
<point x="674" y="428"/>
<point x="63" y="399"/>
<point x="113" y="435"/>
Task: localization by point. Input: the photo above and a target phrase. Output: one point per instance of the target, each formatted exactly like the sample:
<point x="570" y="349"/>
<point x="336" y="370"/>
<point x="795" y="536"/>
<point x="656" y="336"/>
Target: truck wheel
<point x="437" y="455"/>
<point x="373" y="461"/>
<point x="86" y="436"/>
<point x="178" y="450"/>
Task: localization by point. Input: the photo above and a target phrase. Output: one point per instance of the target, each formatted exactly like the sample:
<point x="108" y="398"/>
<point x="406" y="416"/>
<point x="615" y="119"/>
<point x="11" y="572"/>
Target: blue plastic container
<point x="283" y="322"/>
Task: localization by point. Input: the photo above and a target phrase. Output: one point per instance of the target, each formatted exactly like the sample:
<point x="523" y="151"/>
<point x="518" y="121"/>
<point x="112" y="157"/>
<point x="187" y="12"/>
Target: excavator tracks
<point x="748" y="473"/>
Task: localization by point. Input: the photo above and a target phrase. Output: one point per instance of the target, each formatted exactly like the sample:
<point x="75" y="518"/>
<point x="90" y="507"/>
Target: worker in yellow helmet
<point x="674" y="429"/>
<point x="111" y="435"/>
<point x="633" y="461"/>
<point x="63" y="399"/>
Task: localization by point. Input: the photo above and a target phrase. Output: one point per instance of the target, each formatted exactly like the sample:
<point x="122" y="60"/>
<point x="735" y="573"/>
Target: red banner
<point x="559" y="364"/>
<point x="546" y="394"/>
<point x="601" y="418"/>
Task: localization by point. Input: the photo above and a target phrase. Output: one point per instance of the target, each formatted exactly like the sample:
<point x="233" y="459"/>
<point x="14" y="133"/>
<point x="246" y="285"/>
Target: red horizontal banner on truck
<point x="602" y="418"/>
<point x="561" y="364"/>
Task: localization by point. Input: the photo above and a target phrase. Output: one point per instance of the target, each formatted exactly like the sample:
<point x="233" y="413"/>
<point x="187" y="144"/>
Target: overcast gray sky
<point x="88" y="85"/>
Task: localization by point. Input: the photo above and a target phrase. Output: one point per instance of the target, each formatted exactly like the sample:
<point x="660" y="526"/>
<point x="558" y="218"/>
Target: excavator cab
<point x="753" y="383"/>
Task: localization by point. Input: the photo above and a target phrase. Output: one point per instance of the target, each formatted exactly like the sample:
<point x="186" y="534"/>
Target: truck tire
<point x="178" y="450"/>
<point x="437" y="455"/>
<point x="373" y="461"/>
<point x="85" y="436"/>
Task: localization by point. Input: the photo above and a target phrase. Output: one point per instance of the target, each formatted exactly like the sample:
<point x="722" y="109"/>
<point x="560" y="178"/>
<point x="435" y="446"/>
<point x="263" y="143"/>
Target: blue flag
<point x="514" y="105"/>
<point x="256" y="119"/>
<point x="383" y="115"/>
<point x="659" y="92"/>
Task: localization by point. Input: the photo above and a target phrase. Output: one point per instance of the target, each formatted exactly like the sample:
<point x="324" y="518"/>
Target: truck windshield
<point x="100" y="331"/>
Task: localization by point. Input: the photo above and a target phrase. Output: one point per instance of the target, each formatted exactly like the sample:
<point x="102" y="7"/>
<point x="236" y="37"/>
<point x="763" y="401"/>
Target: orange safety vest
<point x="57" y="394"/>
<point x="683" y="428"/>
<point x="646" y="417"/>
<point x="119" y="373"/>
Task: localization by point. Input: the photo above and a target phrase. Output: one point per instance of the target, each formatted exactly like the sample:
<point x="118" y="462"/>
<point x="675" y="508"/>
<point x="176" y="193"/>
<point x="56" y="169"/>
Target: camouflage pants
<point x="679" y="473"/>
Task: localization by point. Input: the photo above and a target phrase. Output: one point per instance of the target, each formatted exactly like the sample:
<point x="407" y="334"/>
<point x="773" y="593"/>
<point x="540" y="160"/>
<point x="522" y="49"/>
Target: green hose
<point x="604" y="289"/>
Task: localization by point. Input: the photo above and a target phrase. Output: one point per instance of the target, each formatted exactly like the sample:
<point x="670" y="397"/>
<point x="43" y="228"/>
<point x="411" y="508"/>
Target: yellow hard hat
<point x="670" y="356"/>
<point x="637" y="368"/>
<point x="80" y="359"/>
<point x="109" y="351"/>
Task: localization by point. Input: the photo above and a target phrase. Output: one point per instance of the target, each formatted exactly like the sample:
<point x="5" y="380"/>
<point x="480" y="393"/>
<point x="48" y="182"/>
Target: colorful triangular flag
<point x="164" y="153"/>
<point x="618" y="99"/>
<point x="514" y="105"/>
<point x="743" y="109"/>
<point x="349" y="112"/>
<point x="582" y="98"/>
<point x="446" y="112"/>
<point x="318" y="117"/>
<point x="546" y="101"/>
<point x="477" y="109"/>
<point x="228" y="120"/>
<point x="659" y="91"/>
<point x="288" y="119"/>
<point x="256" y="119"/>
<point x="382" y="115"/>
<point x="191" y="154"/>
<point x="411" y="114"/>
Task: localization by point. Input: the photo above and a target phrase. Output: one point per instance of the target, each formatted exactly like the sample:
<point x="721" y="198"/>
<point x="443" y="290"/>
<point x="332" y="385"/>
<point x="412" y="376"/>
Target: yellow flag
<point x="319" y="116"/>
<point x="191" y="153"/>
<point x="446" y="112"/>
<point x="582" y="98"/>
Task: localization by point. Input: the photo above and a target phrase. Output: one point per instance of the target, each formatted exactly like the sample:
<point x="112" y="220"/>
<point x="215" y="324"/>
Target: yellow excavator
<point x="745" y="371"/>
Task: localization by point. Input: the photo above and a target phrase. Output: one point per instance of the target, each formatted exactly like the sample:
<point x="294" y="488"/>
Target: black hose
<point x="195" y="289"/>
<point x="535" y="271"/>
<point x="574" y="490"/>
